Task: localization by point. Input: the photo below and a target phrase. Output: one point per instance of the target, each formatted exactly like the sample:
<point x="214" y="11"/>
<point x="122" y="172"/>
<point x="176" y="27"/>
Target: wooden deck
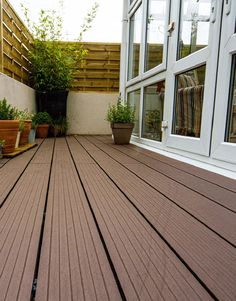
<point x="84" y="219"/>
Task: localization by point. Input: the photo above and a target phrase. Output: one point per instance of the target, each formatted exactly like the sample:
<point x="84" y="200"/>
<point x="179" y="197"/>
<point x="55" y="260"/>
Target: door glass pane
<point x="231" y="120"/>
<point x="134" y="43"/>
<point x="155" y="33"/>
<point x="134" y="101"/>
<point x="194" y="26"/>
<point x="189" y="92"/>
<point x="153" y="111"/>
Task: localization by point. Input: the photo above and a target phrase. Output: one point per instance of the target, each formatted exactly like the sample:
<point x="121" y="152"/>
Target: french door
<point x="224" y="127"/>
<point x="191" y="76"/>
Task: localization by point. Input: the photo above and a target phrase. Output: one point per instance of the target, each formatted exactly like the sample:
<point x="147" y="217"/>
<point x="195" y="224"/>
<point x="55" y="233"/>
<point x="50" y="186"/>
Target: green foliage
<point x="2" y="143"/>
<point x="122" y="113"/>
<point x="23" y="115"/>
<point x="42" y="118"/>
<point x="153" y="119"/>
<point x="7" y="111"/>
<point x="60" y="125"/>
<point x="53" y="61"/>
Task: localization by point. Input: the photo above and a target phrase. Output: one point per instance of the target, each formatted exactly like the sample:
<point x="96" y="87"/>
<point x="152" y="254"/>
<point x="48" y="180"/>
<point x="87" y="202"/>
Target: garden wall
<point x="86" y="112"/>
<point x="18" y="94"/>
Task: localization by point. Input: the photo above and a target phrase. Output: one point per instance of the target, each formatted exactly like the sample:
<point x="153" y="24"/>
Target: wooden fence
<point x="100" y="68"/>
<point x="99" y="71"/>
<point x="15" y="42"/>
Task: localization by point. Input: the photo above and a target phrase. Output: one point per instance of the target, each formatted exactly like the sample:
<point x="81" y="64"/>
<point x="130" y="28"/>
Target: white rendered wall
<point x="86" y="112"/>
<point x="17" y="94"/>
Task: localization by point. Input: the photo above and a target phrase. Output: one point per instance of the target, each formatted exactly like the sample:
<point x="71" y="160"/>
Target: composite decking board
<point x="20" y="226"/>
<point x="10" y="172"/>
<point x="205" y="175"/>
<point x="3" y="161"/>
<point x="73" y="263"/>
<point x="146" y="267"/>
<point x="222" y="191"/>
<point x="200" y="248"/>
<point x="188" y="168"/>
<point x="210" y="213"/>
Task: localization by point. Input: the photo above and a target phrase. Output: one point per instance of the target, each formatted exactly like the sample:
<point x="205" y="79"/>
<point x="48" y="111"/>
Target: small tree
<point x="53" y="62"/>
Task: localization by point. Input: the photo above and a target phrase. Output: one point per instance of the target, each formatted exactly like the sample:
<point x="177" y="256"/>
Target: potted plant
<point x="25" y="119"/>
<point x="53" y="61"/>
<point x="32" y="134"/>
<point x="43" y="120"/>
<point x="121" y="116"/>
<point x="59" y="126"/>
<point x="8" y="126"/>
<point x="2" y="143"/>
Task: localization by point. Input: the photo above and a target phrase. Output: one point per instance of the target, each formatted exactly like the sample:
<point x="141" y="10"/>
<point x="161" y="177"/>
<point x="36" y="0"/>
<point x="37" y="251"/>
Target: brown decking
<point x="84" y="219"/>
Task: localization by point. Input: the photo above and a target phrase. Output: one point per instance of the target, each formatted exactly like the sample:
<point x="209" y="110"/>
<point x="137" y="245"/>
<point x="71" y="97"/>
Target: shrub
<point x="121" y="113"/>
<point x="7" y="111"/>
<point x="42" y="118"/>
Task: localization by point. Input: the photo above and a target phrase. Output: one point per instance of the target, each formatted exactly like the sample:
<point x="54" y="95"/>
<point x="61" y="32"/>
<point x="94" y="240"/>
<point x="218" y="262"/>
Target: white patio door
<point x="224" y="127"/>
<point x="191" y="76"/>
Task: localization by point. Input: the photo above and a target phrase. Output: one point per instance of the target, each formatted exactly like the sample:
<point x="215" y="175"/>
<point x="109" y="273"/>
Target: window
<point x="155" y="36"/>
<point x="231" y="118"/>
<point x="134" y="101"/>
<point x="134" y="43"/>
<point x="153" y="111"/>
<point x="194" y="26"/>
<point x="189" y="92"/>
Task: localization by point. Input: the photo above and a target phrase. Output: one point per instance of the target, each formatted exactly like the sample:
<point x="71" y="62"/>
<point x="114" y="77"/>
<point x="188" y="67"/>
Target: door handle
<point x="227" y="7"/>
<point x="213" y="11"/>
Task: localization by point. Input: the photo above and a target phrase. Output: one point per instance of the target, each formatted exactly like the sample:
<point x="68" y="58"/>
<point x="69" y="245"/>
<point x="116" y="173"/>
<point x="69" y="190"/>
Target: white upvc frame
<point x="220" y="149"/>
<point x="162" y="67"/>
<point x="141" y="86"/>
<point x="207" y="56"/>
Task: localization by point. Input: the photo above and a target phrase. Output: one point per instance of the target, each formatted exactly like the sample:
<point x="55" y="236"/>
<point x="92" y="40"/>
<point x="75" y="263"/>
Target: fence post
<point x="1" y="37"/>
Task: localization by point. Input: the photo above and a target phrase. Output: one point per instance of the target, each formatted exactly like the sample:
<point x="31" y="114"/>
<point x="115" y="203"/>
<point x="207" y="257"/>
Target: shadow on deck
<point x="83" y="219"/>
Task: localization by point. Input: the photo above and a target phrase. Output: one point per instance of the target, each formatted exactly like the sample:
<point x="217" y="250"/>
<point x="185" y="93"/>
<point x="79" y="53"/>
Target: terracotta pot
<point x="42" y="131"/>
<point x="25" y="133"/>
<point x="122" y="132"/>
<point x="8" y="132"/>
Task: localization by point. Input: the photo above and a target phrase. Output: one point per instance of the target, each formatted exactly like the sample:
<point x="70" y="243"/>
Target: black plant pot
<point x="52" y="102"/>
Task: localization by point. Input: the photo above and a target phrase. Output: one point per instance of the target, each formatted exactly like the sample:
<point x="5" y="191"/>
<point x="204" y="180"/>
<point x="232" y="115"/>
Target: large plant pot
<point x="52" y="102"/>
<point x="122" y="132"/>
<point x="42" y="130"/>
<point x="25" y="133"/>
<point x="8" y="132"/>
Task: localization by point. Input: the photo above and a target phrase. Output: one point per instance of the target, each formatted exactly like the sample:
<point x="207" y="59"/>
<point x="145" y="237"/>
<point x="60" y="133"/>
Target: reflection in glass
<point x="153" y="111"/>
<point x="194" y="26"/>
<point x="188" y="104"/>
<point x="231" y="122"/>
<point x="134" y="101"/>
<point x="134" y="43"/>
<point x="155" y="33"/>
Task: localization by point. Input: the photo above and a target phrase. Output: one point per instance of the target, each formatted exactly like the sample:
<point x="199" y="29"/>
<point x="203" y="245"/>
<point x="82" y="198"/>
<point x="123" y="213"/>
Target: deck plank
<point x="146" y="267"/>
<point x="20" y="224"/>
<point x="216" y="187"/>
<point x="73" y="263"/>
<point x="194" y="203"/>
<point x="165" y="239"/>
<point x="10" y="172"/>
<point x="200" y="248"/>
